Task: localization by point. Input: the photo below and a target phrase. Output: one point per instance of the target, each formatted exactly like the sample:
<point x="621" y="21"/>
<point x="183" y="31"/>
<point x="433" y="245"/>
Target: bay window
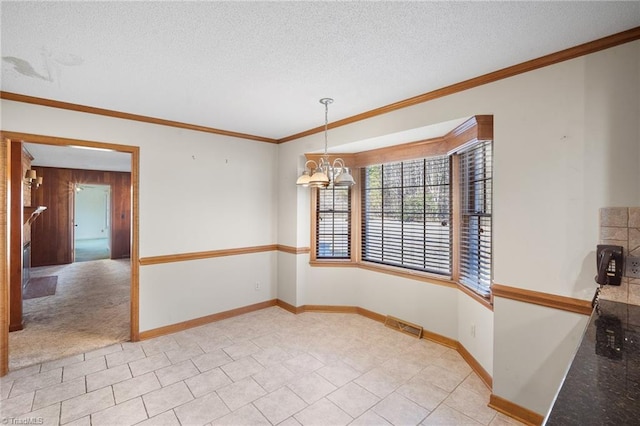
<point x="424" y="209"/>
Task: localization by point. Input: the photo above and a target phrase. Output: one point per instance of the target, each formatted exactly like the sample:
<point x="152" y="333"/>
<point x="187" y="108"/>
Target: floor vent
<point x="403" y="326"/>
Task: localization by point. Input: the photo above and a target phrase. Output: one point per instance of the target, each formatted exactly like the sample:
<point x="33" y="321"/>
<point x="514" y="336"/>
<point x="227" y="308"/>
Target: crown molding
<point x="478" y="127"/>
<point x="127" y="116"/>
<point x="543" y="61"/>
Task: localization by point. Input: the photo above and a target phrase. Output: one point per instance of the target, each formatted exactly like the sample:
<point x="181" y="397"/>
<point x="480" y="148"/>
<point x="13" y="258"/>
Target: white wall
<point x="287" y="278"/>
<point x="588" y="164"/>
<point x="475" y="330"/>
<point x="198" y="192"/>
<point x="293" y="224"/>
<point x="577" y="153"/>
<point x="566" y="142"/>
<point x="92" y="212"/>
<point x="174" y="292"/>
<point x="533" y="348"/>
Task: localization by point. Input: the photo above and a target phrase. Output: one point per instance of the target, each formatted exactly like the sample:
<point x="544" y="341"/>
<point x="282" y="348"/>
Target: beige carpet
<point x="89" y="310"/>
<point x="40" y="287"/>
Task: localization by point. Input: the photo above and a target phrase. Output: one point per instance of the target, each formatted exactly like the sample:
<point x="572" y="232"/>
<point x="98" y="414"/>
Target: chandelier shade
<point x="32" y="179"/>
<point x="325" y="173"/>
<point x="304" y="179"/>
<point x="344" y="178"/>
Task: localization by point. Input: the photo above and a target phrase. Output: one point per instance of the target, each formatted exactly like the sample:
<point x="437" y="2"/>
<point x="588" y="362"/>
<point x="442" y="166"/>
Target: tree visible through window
<point x="333" y="223"/>
<point x="422" y="210"/>
<point x="406" y="214"/>
<point x="475" y="228"/>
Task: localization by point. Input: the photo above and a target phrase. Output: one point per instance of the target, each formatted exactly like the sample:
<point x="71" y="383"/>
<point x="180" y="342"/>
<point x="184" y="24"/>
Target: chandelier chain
<point x="326" y="102"/>
<point x="326" y="127"/>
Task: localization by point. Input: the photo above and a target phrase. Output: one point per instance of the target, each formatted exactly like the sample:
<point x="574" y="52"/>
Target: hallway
<point x="91" y="249"/>
<point x="89" y="310"/>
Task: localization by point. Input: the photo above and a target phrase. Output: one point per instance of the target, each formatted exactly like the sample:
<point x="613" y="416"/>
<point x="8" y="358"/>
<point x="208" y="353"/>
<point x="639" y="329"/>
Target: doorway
<point x="91" y="222"/>
<point x="119" y="239"/>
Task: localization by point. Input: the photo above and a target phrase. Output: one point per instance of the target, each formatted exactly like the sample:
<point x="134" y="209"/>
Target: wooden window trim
<point x="467" y="277"/>
<point x="336" y="263"/>
<point x="479" y="127"/>
<point x="313" y="255"/>
<point x="455" y="219"/>
<point x="476" y="128"/>
<point x="487" y="302"/>
<point x="407" y="273"/>
<point x="355" y="206"/>
<point x="317" y="195"/>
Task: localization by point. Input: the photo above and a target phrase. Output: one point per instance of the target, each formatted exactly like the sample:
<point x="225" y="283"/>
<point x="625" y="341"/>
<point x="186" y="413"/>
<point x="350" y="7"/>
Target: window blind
<point x="333" y="223"/>
<point x="475" y="227"/>
<point x="406" y="214"/>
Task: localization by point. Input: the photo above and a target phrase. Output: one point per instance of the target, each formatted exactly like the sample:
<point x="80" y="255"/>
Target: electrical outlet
<point x="257" y="286"/>
<point x="473" y="330"/>
<point x="632" y="267"/>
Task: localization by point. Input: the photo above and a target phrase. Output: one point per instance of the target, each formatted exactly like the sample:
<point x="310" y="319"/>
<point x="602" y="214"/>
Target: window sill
<point x="487" y="302"/>
<point x="333" y="263"/>
<point x="407" y="273"/>
<point x="404" y="273"/>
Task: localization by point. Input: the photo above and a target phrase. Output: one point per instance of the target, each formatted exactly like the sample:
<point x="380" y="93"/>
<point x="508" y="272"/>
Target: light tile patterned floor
<point x="264" y="368"/>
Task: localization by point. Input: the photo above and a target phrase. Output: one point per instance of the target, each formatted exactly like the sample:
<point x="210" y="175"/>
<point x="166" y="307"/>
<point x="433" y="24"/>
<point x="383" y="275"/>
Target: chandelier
<point x="32" y="179"/>
<point x="324" y="173"/>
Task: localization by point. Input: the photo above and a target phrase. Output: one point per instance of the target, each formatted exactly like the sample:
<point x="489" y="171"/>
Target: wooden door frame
<point x="16" y="243"/>
<point x="72" y="227"/>
<point x="5" y="224"/>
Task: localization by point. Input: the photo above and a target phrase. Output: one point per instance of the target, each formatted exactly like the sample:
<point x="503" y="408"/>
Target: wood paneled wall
<point x="4" y="254"/>
<point x="26" y="165"/>
<point x="51" y="242"/>
<point x="121" y="215"/>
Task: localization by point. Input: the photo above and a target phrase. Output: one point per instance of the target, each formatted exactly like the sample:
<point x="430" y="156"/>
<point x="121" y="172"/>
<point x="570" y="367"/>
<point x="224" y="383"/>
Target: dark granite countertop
<point x="602" y="386"/>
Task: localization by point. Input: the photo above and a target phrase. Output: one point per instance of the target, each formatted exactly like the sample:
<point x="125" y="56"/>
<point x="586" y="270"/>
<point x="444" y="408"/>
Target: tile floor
<point x="263" y="368"/>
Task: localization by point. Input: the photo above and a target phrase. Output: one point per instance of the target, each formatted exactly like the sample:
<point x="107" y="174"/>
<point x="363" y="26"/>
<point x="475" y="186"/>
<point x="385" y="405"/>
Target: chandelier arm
<point x="323" y="161"/>
<point x="338" y="167"/>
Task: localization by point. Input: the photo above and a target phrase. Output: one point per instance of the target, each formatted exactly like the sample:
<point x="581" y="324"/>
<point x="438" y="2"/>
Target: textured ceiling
<point x="260" y="67"/>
